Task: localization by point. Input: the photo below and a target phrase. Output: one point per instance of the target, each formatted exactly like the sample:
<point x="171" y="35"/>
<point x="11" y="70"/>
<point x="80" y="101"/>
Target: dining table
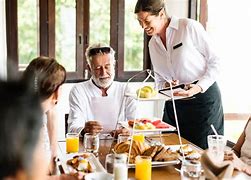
<point x="171" y="171"/>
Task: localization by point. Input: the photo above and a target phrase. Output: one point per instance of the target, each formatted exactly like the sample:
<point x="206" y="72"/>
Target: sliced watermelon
<point x="162" y="125"/>
<point x="156" y="122"/>
<point x="145" y="121"/>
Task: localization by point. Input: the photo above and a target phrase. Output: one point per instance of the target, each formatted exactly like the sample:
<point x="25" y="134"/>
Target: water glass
<point x="143" y="167"/>
<point x="72" y="142"/>
<point x="190" y="170"/>
<point x="109" y="163"/>
<point x="91" y="142"/>
<point x="123" y="138"/>
<point x="216" y="146"/>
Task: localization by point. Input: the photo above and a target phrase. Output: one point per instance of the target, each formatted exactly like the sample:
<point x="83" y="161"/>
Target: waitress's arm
<point x="203" y="44"/>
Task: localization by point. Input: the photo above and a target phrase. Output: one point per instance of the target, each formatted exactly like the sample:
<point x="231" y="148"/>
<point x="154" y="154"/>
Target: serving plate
<point x="157" y="97"/>
<point x="171" y="162"/>
<point x="126" y="125"/>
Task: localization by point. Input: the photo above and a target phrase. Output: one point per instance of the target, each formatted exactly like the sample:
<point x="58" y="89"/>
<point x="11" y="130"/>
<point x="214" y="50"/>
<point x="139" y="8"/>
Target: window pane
<point x="99" y="21"/>
<point x="134" y="39"/>
<point x="66" y="33"/>
<point x="27" y="32"/>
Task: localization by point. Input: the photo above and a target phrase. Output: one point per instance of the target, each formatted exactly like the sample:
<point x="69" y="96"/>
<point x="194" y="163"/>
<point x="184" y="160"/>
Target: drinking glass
<point x="109" y="162"/>
<point x="139" y="137"/>
<point x="72" y="142"/>
<point x="190" y="170"/>
<point x="123" y="138"/>
<point x="91" y="142"/>
<point x="143" y="167"/>
<point x="216" y="146"/>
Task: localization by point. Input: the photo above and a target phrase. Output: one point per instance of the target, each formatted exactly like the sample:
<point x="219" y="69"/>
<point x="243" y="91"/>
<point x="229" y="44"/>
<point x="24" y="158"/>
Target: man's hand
<point x="93" y="127"/>
<point x="121" y="130"/>
<point x="191" y="89"/>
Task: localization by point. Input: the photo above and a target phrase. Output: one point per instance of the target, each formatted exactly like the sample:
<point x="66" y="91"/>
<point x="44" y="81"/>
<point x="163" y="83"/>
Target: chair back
<point x="66" y="122"/>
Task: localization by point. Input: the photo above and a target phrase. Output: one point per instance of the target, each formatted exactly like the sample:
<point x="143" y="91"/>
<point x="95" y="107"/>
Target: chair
<point x="66" y="123"/>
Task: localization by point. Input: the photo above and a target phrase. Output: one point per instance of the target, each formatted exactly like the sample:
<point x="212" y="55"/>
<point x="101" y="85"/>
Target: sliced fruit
<point x="162" y="125"/>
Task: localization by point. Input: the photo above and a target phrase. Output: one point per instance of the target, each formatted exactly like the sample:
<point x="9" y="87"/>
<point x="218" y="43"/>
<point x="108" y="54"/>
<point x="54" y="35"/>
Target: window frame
<point x="47" y="37"/>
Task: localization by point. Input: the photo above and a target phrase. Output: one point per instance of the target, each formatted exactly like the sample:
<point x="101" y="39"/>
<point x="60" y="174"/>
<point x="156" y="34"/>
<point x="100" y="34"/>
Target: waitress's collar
<point x="174" y="23"/>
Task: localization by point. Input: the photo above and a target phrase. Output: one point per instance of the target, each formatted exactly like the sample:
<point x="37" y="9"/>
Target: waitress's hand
<point x="190" y="90"/>
<point x="93" y="127"/>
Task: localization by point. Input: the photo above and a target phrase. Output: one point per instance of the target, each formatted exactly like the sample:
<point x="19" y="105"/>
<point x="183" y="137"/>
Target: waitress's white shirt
<point x="87" y="103"/>
<point x="193" y="60"/>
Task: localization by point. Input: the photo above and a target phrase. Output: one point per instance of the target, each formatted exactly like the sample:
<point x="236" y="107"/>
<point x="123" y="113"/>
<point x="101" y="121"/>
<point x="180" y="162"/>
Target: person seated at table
<point x="242" y="150"/>
<point x="20" y="155"/>
<point x="48" y="76"/>
<point x="101" y="98"/>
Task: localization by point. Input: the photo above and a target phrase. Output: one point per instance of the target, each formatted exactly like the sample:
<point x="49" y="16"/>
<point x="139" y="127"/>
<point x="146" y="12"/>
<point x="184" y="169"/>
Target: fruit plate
<point x="94" y="163"/>
<point x="169" y="128"/>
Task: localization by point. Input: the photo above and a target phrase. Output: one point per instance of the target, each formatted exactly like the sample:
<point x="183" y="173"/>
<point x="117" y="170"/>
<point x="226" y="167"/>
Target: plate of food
<point x="147" y="125"/>
<point x="147" y="93"/>
<point x="83" y="162"/>
<point x="162" y="155"/>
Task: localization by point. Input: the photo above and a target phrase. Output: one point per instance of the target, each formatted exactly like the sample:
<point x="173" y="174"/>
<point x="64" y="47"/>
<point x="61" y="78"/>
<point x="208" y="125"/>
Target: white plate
<point x="94" y="162"/>
<point x="168" y="163"/>
<point x="157" y="97"/>
<point x="126" y="125"/>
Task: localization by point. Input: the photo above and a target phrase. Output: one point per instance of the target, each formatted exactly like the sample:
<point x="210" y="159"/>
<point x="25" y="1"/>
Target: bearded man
<point x="98" y="104"/>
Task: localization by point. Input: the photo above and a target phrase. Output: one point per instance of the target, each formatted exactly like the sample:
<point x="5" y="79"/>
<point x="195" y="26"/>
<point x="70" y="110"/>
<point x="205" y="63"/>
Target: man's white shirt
<point x="87" y="103"/>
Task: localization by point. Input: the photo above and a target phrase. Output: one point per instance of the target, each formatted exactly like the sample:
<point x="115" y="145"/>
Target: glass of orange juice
<point x="139" y="137"/>
<point x="72" y="142"/>
<point x="143" y="169"/>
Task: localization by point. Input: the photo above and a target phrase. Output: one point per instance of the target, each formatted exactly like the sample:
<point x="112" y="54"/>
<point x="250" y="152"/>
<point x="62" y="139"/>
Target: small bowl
<point x="99" y="176"/>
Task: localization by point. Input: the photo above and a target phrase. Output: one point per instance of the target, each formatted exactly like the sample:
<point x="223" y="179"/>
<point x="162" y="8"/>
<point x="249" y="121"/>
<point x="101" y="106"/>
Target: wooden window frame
<point x="47" y="36"/>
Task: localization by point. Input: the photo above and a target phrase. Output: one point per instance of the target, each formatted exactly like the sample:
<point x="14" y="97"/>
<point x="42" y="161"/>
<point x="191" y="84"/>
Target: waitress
<point x="180" y="51"/>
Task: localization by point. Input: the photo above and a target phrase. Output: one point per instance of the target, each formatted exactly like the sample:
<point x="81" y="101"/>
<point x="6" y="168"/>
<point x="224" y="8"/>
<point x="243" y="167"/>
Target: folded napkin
<point x="216" y="170"/>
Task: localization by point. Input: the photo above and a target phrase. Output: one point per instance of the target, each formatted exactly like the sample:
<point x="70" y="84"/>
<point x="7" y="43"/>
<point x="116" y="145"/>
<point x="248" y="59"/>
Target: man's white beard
<point x="104" y="83"/>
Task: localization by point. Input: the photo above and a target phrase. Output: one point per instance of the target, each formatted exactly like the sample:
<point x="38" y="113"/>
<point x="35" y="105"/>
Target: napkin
<point x="216" y="170"/>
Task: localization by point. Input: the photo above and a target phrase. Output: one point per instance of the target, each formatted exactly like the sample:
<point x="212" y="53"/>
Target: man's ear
<point x="162" y="13"/>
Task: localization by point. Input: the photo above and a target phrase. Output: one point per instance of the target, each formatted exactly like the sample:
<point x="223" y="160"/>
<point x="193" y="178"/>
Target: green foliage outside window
<point x="27" y="31"/>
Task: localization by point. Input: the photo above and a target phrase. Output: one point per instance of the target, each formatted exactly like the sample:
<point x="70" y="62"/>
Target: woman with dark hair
<point x="48" y="76"/>
<point x="181" y="54"/>
<point x="20" y="155"/>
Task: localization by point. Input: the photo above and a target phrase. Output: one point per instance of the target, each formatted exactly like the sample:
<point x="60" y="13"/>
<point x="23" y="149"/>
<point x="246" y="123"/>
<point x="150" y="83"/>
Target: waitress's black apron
<point x="195" y="115"/>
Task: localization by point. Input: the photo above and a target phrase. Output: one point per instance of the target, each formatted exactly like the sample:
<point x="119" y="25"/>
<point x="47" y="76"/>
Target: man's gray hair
<point x="89" y="56"/>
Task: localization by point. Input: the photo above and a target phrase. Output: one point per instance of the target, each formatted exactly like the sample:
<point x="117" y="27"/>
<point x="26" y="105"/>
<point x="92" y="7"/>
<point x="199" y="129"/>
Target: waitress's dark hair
<point x="151" y="6"/>
<point x="20" y="122"/>
<point x="47" y="75"/>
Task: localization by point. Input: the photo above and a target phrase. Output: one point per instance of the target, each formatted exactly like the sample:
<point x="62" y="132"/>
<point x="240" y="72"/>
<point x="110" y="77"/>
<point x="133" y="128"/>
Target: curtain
<point x="3" y="55"/>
